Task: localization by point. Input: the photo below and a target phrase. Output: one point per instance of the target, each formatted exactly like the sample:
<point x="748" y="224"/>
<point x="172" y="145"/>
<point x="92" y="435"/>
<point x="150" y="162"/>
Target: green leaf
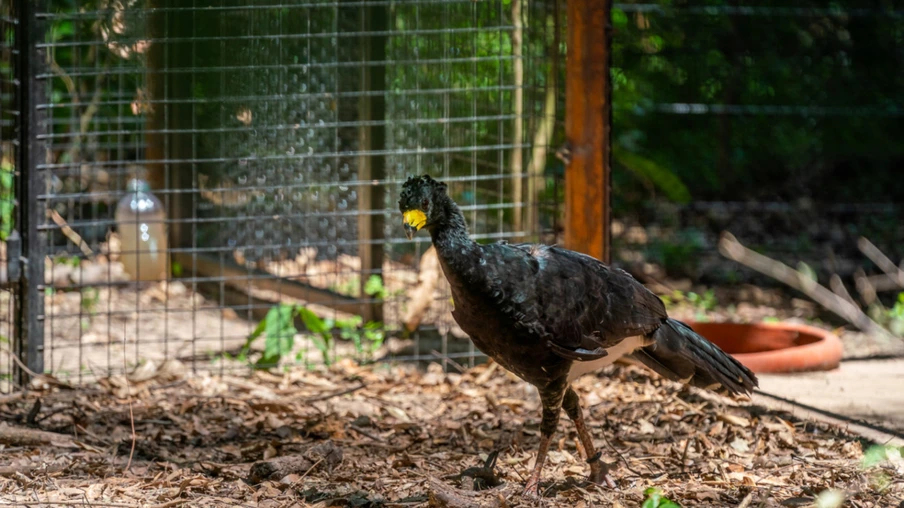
<point x="619" y="18"/>
<point x="280" y="331"/>
<point x="6" y="179"/>
<point x="655" y="499"/>
<point x="258" y="330"/>
<point x="877" y="454"/>
<point x="661" y="178"/>
<point x="321" y="330"/>
<point x="374" y="287"/>
<point x="312" y="321"/>
<point x="349" y="323"/>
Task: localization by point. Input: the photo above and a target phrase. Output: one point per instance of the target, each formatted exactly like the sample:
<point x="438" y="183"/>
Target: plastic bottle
<point x="142" y="233"/>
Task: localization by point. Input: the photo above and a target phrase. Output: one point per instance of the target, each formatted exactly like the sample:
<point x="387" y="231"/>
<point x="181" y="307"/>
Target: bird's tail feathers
<point x="679" y="353"/>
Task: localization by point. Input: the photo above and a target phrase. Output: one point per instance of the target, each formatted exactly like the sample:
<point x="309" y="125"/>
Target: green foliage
<point x="706" y="301"/>
<point x="877" y="454"/>
<point x="656" y="176"/>
<point x="673" y="56"/>
<point x="896" y="316"/>
<point x="881" y="455"/>
<point x="278" y="330"/>
<point x="7" y="199"/>
<point x="321" y="330"/>
<point x="89" y="300"/>
<point x="656" y="499"/>
<point x="349" y="287"/>
<point x="891" y="318"/>
<point x="374" y="287"/>
<point x="367" y="338"/>
<point x="679" y="256"/>
<point x="700" y="303"/>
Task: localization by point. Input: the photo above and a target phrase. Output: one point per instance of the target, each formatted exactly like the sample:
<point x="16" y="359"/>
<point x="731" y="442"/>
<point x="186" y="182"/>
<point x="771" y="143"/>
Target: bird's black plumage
<point x="539" y="310"/>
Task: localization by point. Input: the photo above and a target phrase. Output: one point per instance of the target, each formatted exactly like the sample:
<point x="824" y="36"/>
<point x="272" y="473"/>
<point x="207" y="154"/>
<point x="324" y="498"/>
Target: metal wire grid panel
<point x="275" y="136"/>
<point x="8" y="153"/>
<point x="770" y="122"/>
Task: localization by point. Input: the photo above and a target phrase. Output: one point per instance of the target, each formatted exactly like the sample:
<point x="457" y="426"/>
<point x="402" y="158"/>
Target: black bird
<point x="550" y="315"/>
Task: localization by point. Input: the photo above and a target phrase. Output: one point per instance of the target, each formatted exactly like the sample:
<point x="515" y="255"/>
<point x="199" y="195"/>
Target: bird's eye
<point x="424" y="203"/>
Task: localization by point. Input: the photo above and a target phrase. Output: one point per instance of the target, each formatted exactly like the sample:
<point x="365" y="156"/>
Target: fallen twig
<point x="21" y="365"/>
<point x="364" y="433"/>
<point x="82" y="502"/>
<point x="747" y="500"/>
<point x="69" y="233"/>
<point x="733" y="249"/>
<point x="881" y="260"/>
<point x="486" y="374"/>
<point x="328" y="396"/>
<point x="14" y="470"/>
<point x="129" y="393"/>
<point x="447" y="496"/>
<point x="20" y="436"/>
<point x="865" y="287"/>
<point x="837" y="286"/>
<point x="883" y="282"/>
<point x="9" y="398"/>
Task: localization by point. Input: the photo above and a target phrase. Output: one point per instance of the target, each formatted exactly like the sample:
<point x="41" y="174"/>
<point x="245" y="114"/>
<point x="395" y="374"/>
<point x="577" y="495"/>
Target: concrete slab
<point x="868" y="392"/>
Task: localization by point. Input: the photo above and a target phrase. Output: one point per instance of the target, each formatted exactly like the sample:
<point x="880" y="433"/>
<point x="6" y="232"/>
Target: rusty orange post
<point x="587" y="124"/>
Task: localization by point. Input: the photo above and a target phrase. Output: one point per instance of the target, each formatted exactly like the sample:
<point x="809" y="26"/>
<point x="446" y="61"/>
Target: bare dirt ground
<point x="392" y="436"/>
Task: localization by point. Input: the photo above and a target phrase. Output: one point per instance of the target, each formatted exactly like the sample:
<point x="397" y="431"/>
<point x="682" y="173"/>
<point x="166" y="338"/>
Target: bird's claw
<point x="601" y="477"/>
<point x="599" y="472"/>
<point x="532" y="490"/>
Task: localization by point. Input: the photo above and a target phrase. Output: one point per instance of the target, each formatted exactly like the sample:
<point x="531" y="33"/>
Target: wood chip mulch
<point x="368" y="436"/>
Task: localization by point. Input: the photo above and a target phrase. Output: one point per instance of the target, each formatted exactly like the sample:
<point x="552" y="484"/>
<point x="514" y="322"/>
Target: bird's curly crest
<point x="416" y="183"/>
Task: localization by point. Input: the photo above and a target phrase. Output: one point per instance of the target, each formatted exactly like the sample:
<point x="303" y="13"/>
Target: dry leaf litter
<point x="383" y="435"/>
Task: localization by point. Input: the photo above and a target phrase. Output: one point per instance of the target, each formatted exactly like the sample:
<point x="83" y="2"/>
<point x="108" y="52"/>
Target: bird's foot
<point x="532" y="489"/>
<point x="601" y="477"/>
<point x="599" y="471"/>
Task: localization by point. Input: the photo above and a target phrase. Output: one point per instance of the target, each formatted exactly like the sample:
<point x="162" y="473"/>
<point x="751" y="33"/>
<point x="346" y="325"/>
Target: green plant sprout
<point x="656" y="499"/>
<point x="278" y="330"/>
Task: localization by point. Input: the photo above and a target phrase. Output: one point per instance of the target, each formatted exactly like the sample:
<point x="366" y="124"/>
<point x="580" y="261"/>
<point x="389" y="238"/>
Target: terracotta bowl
<point x="775" y="347"/>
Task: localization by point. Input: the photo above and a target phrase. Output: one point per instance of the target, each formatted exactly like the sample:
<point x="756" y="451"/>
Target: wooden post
<point x="174" y="175"/>
<point x="155" y="140"/>
<point x="587" y="123"/>
<point x="372" y="168"/>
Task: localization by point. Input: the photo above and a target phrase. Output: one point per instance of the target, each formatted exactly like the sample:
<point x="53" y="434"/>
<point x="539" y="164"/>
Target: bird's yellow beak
<point x="413" y="220"/>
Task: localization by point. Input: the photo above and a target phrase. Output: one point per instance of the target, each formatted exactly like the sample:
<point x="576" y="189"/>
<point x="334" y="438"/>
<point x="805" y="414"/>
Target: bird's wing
<point x="580" y="305"/>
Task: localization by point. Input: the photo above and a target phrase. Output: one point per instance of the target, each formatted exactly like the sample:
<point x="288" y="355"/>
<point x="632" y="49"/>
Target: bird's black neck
<point x="450" y="235"/>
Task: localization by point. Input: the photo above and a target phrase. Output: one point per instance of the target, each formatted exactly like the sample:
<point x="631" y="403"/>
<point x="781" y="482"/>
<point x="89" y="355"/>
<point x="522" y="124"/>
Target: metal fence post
<point x="30" y="308"/>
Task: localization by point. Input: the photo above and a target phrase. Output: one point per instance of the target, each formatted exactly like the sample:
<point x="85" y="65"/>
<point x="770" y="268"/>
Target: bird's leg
<point x="552" y="405"/>
<point x="532" y="488"/>
<point x="598" y="471"/>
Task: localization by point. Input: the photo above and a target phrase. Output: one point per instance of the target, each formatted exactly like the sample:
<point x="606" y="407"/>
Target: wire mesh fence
<point x="274" y="137"/>
<point x="779" y="124"/>
<point x="8" y="154"/>
<point x="212" y="168"/>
